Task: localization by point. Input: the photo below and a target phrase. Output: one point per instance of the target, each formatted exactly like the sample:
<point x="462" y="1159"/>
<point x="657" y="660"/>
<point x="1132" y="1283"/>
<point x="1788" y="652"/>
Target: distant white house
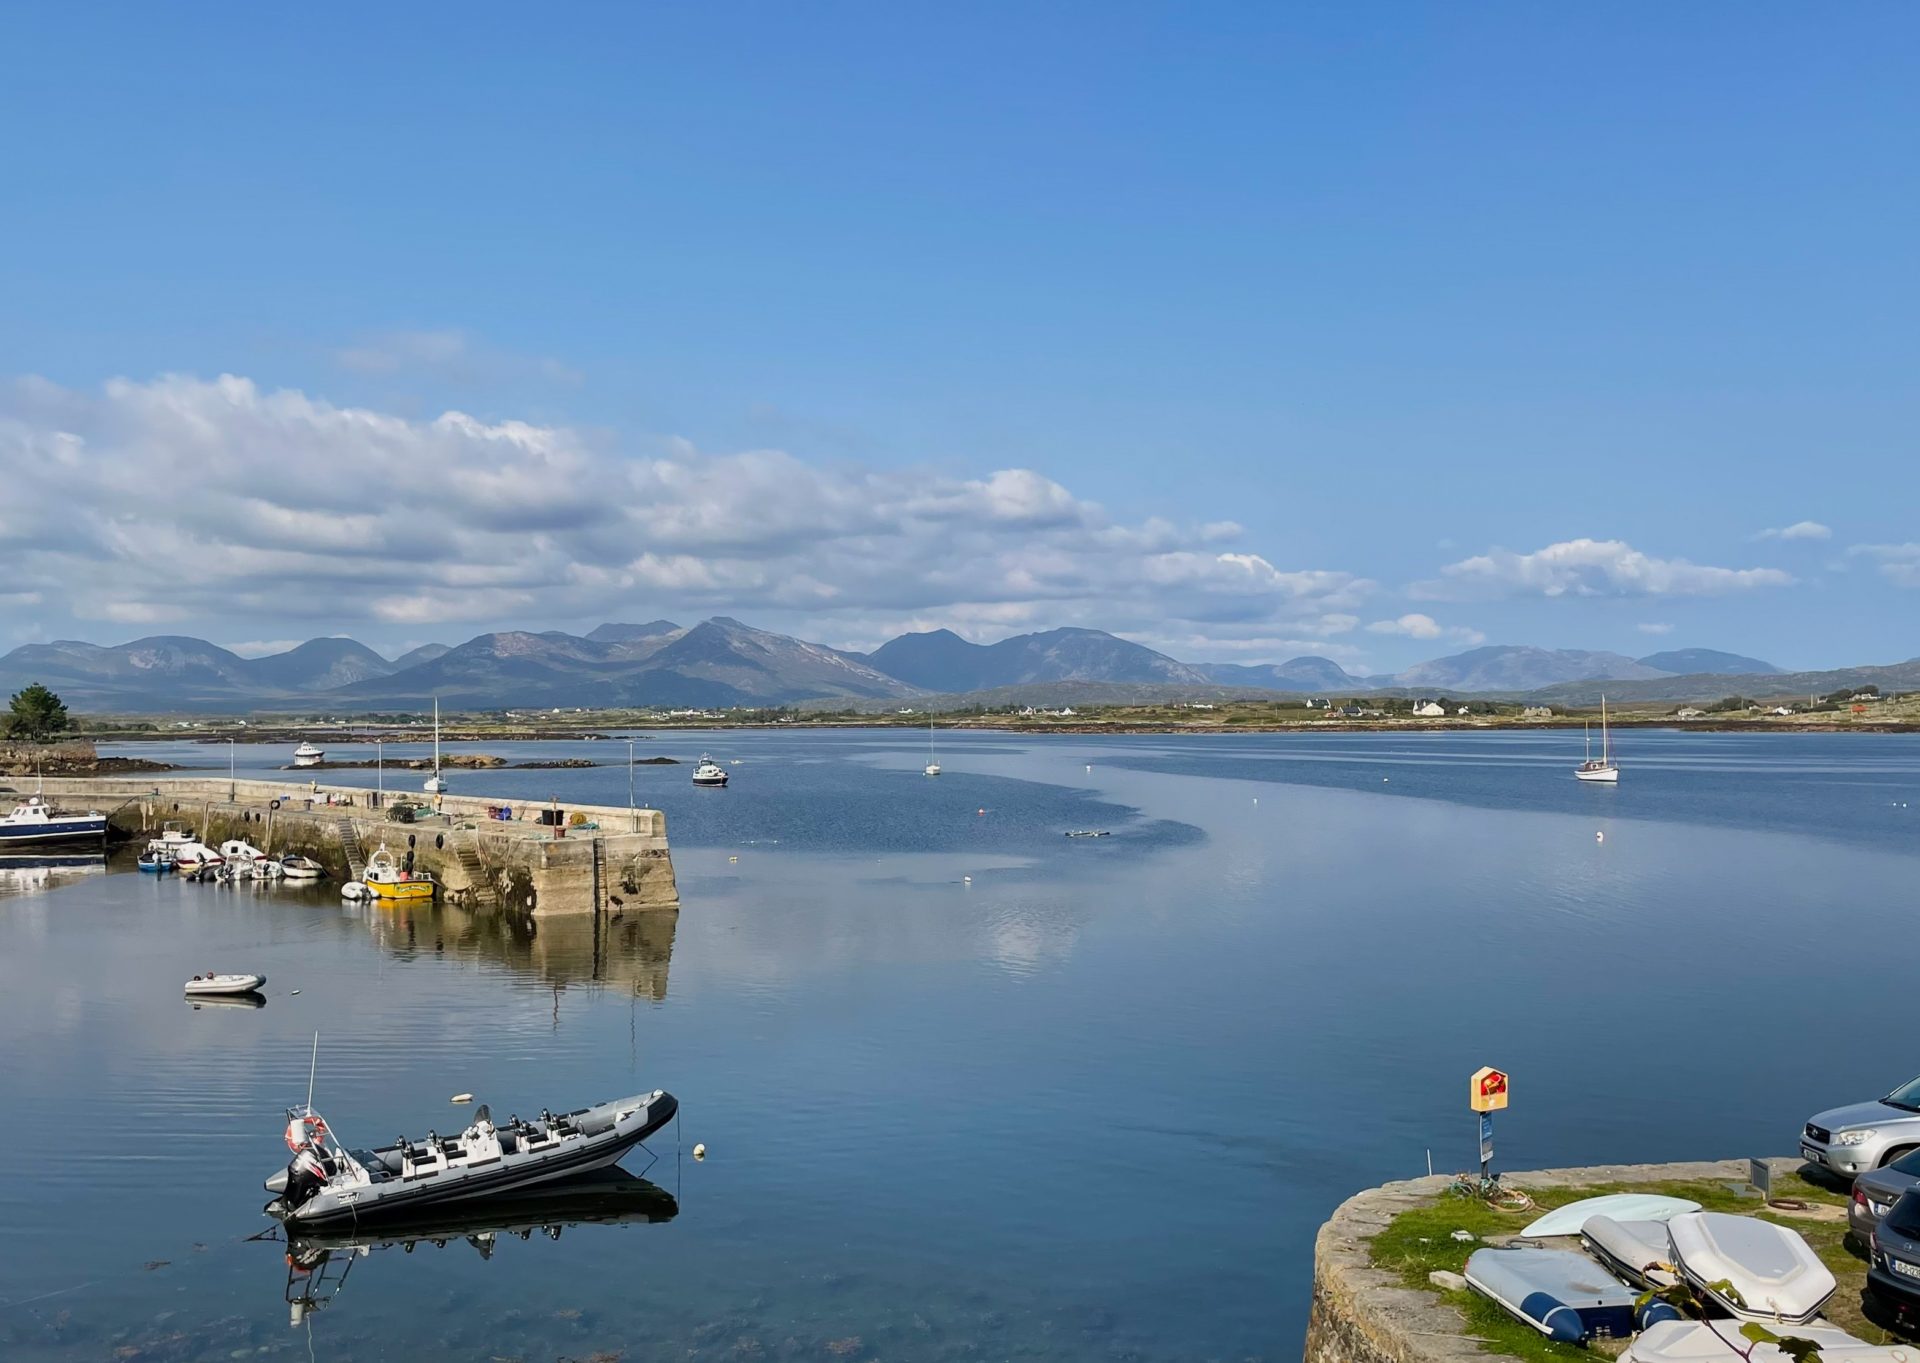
<point x="1461" y="711"/>
<point x="1428" y="709"/>
<point x="1782" y="710"/>
<point x="1536" y="712"/>
<point x="1690" y="713"/>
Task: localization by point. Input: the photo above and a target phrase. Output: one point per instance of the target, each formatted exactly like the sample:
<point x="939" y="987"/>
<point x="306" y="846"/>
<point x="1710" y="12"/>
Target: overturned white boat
<point x="1693" y="1341"/>
<point x="224" y="984"/>
<point x="326" y="1183"/>
<point x="1637" y="1252"/>
<point x="1563" y="1295"/>
<point x="1751" y="1269"/>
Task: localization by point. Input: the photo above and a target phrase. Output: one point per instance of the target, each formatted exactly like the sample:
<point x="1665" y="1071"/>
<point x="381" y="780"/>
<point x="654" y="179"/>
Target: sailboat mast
<point x="1606" y="748"/>
<point x="436" y="735"/>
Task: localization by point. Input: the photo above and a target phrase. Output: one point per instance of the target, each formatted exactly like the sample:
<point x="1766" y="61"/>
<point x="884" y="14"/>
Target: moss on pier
<point x="1419" y="1241"/>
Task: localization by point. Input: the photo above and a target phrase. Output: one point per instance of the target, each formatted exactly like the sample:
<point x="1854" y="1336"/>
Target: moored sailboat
<point x="436" y="784"/>
<point x="1604" y="769"/>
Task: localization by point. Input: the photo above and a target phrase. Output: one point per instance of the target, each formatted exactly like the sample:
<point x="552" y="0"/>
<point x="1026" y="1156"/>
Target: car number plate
<point x="1904" y="1269"/>
<point x="1810" y="1155"/>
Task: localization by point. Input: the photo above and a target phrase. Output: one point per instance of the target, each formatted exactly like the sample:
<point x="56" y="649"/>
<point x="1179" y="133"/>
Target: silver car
<point x="1849" y="1141"/>
<point x="1875" y="1192"/>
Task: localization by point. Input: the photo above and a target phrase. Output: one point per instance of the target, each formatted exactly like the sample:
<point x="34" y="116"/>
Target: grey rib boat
<point x="327" y="1183"/>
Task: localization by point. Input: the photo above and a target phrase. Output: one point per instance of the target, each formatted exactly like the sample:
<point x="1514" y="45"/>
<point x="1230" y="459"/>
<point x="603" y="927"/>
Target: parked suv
<point x="1851" y="1140"/>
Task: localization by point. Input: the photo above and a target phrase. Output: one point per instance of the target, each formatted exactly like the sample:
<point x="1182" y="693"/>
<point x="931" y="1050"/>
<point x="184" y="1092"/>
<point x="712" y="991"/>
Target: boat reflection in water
<point x="627" y="950"/>
<point x="250" y="999"/>
<point x="23" y="873"/>
<point x="318" y="1262"/>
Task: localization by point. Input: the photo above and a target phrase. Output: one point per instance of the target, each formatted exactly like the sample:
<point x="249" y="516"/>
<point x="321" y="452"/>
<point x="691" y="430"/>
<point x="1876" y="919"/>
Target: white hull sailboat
<point x="932" y="767"/>
<point x="436" y="784"/>
<point x="1603" y="769"/>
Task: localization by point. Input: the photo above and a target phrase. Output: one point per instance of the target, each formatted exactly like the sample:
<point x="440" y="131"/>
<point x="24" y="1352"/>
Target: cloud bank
<point x="1587" y="567"/>
<point x="220" y="500"/>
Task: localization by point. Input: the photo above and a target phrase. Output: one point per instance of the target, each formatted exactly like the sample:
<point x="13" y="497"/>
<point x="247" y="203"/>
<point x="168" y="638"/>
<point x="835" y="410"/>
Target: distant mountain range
<point x="722" y="662"/>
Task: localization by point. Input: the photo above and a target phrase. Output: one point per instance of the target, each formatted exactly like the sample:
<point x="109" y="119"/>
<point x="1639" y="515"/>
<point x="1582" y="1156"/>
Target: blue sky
<point x="1246" y="331"/>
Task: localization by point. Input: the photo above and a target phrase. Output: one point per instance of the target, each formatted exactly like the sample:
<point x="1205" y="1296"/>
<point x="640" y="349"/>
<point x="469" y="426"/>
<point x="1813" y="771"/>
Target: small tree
<point x="36" y="713"/>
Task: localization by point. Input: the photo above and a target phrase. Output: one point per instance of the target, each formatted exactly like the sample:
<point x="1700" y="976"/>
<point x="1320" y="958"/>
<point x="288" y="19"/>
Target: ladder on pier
<point x="601" y="889"/>
<point x="466" y="851"/>
<point x="350" y="844"/>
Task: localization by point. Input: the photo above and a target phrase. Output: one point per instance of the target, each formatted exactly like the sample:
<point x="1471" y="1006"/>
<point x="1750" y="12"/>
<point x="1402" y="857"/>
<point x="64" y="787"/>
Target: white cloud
<point x="1587" y="567"/>
<point x="1417" y="626"/>
<point x="1899" y="563"/>
<point x="1654" y="627"/>
<point x="1799" y="530"/>
<point x="285" y="508"/>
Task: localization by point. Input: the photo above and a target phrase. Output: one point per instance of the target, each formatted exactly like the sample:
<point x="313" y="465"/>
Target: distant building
<point x="1536" y="712"/>
<point x="1690" y="713"/>
<point x="1428" y="709"/>
<point x="1461" y="711"/>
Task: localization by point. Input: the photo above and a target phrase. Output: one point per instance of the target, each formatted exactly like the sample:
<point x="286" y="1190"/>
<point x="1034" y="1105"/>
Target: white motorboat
<point x="1605" y="768"/>
<point x="933" y="765"/>
<point x="306" y="755"/>
<point x="436" y="784"/>
<point x="709" y="772"/>
<point x="172" y="838"/>
<point x="225" y="984"/>
<point x="238" y="849"/>
<point x="296" y="867"/>
<point x="36" y="823"/>
<point x="1749" y="1268"/>
<point x="190" y="855"/>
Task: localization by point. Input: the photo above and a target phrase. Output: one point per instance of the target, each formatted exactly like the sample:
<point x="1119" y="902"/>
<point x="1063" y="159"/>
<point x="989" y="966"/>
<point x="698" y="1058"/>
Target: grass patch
<point x="1420" y="1241"/>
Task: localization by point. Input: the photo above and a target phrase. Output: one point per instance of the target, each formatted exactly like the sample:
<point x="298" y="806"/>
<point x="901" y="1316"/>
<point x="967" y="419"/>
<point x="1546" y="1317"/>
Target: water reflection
<point x="631" y="951"/>
<point x="319" y="1262"/>
<point x="36" y="874"/>
<point x="248" y="1000"/>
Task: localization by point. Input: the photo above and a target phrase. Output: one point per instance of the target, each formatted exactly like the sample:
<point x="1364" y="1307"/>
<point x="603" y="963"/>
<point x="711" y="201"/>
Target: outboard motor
<point x="304" y="1179"/>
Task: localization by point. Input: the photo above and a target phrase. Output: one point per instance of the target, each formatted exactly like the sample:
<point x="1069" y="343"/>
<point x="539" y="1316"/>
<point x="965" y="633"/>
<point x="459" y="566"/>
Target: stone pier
<point x="597" y="858"/>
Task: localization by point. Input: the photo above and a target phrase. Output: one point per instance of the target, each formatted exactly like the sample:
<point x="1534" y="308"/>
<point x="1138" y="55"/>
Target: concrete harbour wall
<point x="622" y="864"/>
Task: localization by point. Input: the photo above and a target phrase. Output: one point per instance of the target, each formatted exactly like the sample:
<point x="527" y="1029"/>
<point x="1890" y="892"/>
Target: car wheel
<point x="1897" y="1152"/>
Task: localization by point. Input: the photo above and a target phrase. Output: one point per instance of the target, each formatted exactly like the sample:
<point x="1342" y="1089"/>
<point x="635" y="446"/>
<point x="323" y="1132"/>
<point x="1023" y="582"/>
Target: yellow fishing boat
<point x="385" y="880"/>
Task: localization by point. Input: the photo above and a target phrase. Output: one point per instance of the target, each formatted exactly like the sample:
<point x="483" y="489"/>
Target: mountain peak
<point x="1689" y="662"/>
<point x="615" y="633"/>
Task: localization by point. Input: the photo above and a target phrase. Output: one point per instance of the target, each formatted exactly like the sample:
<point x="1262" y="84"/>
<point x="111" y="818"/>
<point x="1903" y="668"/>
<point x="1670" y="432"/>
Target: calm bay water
<point x="1090" y="1103"/>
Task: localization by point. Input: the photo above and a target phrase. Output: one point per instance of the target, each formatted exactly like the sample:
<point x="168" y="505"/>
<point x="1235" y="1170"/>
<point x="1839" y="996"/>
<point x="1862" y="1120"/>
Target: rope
<point x="1490" y="1191"/>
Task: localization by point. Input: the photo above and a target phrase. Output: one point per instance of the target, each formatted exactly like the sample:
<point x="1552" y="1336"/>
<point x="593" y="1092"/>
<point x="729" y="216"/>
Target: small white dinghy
<point x="1562" y="1294"/>
<point x="1693" y="1341"/>
<point x="355" y="889"/>
<point x="296" y="867"/>
<point x="1637" y="1252"/>
<point x="225" y="984"/>
<point x="1569" y="1220"/>
<point x="1772" y="1273"/>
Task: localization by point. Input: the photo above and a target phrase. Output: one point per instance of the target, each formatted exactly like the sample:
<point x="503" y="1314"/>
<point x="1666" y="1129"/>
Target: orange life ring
<point x="304" y="1131"/>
